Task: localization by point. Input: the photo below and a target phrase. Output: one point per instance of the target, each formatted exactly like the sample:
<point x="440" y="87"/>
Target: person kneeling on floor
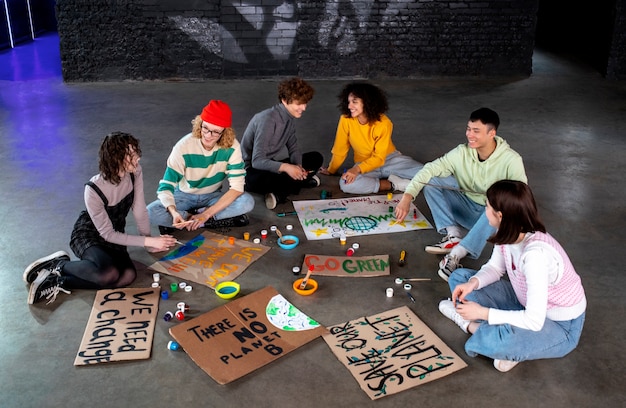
<point x="98" y="237"/>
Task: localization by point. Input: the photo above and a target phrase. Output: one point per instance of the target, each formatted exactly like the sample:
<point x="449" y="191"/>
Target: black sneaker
<point x="238" y="221"/>
<point x="47" y="286"/>
<point x="312" y="182"/>
<point x="47" y="262"/>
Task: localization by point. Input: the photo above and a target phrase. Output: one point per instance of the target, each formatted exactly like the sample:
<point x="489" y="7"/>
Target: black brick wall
<point x="616" y="68"/>
<point x="192" y="39"/>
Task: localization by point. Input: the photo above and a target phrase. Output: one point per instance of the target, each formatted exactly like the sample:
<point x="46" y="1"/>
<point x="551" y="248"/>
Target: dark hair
<point x="295" y="89"/>
<point x="487" y="117"/>
<point x="113" y="152"/>
<point x="374" y="100"/>
<point x="516" y="202"/>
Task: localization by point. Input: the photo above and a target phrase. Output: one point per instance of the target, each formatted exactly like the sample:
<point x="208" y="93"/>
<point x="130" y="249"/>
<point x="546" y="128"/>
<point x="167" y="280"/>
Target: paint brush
<point x="280" y="235"/>
<point x="410" y="296"/>
<point x="285" y="214"/>
<point x="306" y="278"/>
<point x="183" y="223"/>
<point x="415" y="279"/>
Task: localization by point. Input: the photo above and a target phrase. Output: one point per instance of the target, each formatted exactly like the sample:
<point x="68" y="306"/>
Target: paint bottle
<point x="342" y="238"/>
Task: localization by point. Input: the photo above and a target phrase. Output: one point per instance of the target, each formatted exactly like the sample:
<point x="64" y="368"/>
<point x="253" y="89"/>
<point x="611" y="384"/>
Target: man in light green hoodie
<point x="455" y="185"/>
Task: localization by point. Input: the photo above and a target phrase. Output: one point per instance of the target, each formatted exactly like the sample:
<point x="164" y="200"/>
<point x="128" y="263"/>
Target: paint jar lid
<point x="355" y="245"/>
<point x="188" y="288"/>
<point x="295" y="270"/>
<point x="289" y="227"/>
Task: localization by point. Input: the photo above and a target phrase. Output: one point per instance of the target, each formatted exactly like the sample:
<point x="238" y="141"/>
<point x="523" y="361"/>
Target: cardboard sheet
<point x="347" y="266"/>
<point x="391" y="352"/>
<point x="121" y="326"/>
<point x="355" y="216"/>
<point x="245" y="334"/>
<point x="209" y="259"/>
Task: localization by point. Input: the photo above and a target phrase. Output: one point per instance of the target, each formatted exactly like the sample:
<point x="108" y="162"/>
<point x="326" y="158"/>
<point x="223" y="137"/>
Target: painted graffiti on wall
<point x="275" y="24"/>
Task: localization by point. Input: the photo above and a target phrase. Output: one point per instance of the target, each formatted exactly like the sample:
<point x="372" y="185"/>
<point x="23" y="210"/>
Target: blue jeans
<point x="450" y="207"/>
<point x="396" y="163"/>
<point x="507" y="342"/>
<point x="186" y="202"/>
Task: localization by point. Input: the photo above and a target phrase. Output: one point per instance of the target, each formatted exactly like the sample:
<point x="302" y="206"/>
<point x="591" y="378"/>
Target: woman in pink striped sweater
<point x="539" y="311"/>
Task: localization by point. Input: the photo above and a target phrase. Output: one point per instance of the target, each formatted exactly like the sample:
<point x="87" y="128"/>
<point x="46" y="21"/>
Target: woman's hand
<point x="472" y="311"/>
<point x="351" y="175"/>
<point x="461" y="291"/>
<point x="160" y="244"/>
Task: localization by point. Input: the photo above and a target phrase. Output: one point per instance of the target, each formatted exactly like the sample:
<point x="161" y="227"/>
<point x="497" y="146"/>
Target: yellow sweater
<point x="371" y="143"/>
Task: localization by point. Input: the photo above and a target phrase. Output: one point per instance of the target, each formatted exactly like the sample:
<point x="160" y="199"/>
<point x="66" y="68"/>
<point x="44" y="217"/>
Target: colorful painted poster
<point x="391" y="352"/>
<point x="347" y="266"/>
<point x="210" y="258"/>
<point x="120" y="327"/>
<point x="354" y="216"/>
<point x="245" y="334"/>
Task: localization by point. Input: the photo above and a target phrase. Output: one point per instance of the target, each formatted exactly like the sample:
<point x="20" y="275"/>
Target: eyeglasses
<point x="211" y="132"/>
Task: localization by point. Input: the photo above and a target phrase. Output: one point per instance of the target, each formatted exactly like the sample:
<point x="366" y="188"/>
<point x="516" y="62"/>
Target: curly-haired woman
<point x="98" y="238"/>
<point x="364" y="127"/>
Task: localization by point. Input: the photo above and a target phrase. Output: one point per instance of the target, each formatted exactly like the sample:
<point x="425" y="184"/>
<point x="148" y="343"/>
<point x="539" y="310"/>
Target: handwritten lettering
<point x="123" y="327"/>
<point x="386" y="351"/>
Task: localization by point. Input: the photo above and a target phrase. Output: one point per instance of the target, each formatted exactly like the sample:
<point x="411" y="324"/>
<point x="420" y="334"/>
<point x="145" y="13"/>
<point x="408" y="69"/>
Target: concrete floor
<point x="567" y="122"/>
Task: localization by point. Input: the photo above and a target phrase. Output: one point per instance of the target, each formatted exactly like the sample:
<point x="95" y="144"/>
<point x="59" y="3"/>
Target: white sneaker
<point x="504" y="365"/>
<point x="447" y="309"/>
<point x="444" y="246"/>
<point x="270" y="201"/>
<point x="398" y="183"/>
<point x="448" y="265"/>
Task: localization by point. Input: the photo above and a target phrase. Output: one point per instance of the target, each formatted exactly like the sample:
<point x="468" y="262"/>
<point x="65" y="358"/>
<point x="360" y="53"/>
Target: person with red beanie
<point x="192" y="192"/>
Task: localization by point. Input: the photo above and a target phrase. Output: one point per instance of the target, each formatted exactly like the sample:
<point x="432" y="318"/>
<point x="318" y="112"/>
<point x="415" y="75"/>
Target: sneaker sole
<point x="442" y="275"/>
<point x="39" y="261"/>
<point x="32" y="291"/>
<point x="438" y="251"/>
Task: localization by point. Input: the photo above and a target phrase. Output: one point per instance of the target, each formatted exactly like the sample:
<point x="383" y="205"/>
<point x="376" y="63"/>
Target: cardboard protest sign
<point x="391" y="352"/>
<point x="351" y="266"/>
<point x="210" y="258"/>
<point x="245" y="334"/>
<point x="121" y="326"/>
<point x="354" y="216"/>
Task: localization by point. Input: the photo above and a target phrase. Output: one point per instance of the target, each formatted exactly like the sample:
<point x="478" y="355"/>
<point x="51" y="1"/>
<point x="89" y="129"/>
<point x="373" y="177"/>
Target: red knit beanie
<point x="217" y="113"/>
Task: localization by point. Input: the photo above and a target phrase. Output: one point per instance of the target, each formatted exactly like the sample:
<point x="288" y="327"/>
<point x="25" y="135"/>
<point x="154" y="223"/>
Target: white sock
<point x="455" y="231"/>
<point x="459" y="252"/>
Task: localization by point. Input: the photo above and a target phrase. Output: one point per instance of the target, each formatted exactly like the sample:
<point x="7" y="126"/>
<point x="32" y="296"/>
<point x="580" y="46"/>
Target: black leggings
<point x="263" y="182"/>
<point x="100" y="268"/>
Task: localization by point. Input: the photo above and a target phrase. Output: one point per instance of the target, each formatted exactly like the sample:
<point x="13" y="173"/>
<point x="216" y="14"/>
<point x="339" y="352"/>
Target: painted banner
<point x="210" y="258"/>
<point x="355" y="216"/>
<point x="350" y="266"/>
<point x="245" y="334"/>
<point x="391" y="352"/>
<point x="121" y="326"/>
